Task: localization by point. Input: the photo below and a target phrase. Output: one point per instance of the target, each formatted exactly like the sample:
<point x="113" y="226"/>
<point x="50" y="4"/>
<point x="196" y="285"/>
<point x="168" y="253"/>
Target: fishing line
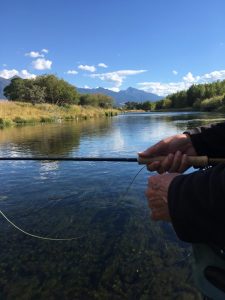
<point x="37" y="236"/>
<point x="62" y="239"/>
<point x="132" y="181"/>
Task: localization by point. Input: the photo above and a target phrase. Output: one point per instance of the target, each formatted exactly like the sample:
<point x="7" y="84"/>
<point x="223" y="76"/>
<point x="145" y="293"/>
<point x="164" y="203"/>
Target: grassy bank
<point x="187" y="109"/>
<point x="18" y="113"/>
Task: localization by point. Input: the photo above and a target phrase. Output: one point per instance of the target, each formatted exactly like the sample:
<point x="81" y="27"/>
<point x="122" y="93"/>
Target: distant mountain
<point x="3" y="83"/>
<point x="130" y="94"/>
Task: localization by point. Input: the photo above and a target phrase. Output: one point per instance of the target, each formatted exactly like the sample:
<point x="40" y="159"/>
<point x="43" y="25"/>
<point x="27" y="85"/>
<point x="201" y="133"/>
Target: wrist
<point x="190" y="150"/>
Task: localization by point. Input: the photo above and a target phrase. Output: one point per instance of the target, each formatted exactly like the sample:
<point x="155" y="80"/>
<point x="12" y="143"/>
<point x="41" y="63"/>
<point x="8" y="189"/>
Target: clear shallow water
<point x="119" y="252"/>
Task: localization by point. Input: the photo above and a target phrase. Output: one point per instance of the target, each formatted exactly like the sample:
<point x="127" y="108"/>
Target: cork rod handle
<point x="197" y="161"/>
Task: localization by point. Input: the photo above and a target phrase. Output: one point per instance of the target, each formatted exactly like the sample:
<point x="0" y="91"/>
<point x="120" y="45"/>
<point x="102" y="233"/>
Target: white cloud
<point x="111" y="77"/>
<point x="174" y="72"/>
<point x="26" y="75"/>
<point x="213" y="76"/>
<point x="45" y="50"/>
<point x="72" y="72"/>
<point x="34" y="54"/>
<point x="190" y="78"/>
<point x="10" y="73"/>
<point x="102" y="65"/>
<point x="87" y="68"/>
<point x="41" y="64"/>
<point x="114" y="89"/>
<point x="86" y="87"/>
<point x="164" y="89"/>
<point x="116" y="77"/>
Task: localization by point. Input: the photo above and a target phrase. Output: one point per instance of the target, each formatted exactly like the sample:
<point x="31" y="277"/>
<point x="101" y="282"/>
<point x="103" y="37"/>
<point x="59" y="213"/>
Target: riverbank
<point x="19" y="113"/>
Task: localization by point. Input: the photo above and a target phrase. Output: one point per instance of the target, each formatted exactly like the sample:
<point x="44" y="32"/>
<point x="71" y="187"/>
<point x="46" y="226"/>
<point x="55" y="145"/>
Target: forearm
<point x="197" y="206"/>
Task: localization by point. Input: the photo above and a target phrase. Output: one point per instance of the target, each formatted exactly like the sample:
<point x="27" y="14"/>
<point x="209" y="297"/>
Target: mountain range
<point x="3" y="83"/>
<point x="130" y="94"/>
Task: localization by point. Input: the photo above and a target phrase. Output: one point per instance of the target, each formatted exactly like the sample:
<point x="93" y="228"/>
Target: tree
<point x="57" y="91"/>
<point x="147" y="105"/>
<point x="104" y="101"/>
<point x="159" y="104"/>
<point x="35" y="94"/>
<point x="87" y="99"/>
<point x="129" y="105"/>
<point x="196" y="92"/>
<point x="16" y="90"/>
<point x="167" y="103"/>
<point x="96" y="100"/>
<point x="45" y="88"/>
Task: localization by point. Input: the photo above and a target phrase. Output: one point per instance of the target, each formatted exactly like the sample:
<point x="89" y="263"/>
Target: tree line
<point x="51" y="89"/>
<point x="205" y="97"/>
<point x="132" y="105"/>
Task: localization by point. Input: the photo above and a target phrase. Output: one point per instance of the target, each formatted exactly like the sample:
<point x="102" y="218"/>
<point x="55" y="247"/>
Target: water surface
<point x="119" y="252"/>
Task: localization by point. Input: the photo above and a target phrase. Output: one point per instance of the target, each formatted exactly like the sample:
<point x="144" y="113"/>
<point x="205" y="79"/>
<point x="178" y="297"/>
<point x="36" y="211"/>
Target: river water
<point x="118" y="253"/>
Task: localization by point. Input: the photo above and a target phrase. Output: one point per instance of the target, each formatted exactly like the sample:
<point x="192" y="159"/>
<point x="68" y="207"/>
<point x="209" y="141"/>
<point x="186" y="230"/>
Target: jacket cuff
<point x="195" y="136"/>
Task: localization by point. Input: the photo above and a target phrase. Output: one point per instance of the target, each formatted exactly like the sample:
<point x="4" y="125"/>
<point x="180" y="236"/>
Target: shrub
<point x="19" y="120"/>
<point x="212" y="103"/>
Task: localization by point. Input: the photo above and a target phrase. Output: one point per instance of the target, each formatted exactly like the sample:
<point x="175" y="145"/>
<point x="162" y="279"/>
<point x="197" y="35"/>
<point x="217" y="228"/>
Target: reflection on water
<point x="120" y="253"/>
<point x="43" y="140"/>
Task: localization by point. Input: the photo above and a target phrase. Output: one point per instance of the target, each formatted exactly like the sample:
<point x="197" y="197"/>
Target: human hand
<point x="157" y="193"/>
<point x="175" y="149"/>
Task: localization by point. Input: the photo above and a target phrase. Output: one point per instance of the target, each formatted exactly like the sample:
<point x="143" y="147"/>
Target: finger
<point x="152" y="193"/>
<point x="153" y="166"/>
<point x="156" y="204"/>
<point x="156" y="197"/>
<point x="160" y="214"/>
<point x="184" y="164"/>
<point x="155" y="214"/>
<point x="176" y="162"/>
<point x="152" y="151"/>
<point x="161" y="170"/>
<point x="167" y="162"/>
<point x="156" y="167"/>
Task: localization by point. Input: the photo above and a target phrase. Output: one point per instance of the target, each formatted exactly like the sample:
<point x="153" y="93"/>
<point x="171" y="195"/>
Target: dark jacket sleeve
<point x="209" y="140"/>
<point x="197" y="206"/>
<point x="197" y="200"/>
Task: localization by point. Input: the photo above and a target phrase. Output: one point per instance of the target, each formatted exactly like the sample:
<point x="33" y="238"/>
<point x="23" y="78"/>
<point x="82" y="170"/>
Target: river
<point x="118" y="253"/>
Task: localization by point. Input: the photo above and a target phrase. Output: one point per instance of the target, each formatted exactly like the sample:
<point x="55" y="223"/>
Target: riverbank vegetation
<point x="48" y="99"/>
<point x="50" y="89"/>
<point x="19" y="113"/>
<point x="202" y="97"/>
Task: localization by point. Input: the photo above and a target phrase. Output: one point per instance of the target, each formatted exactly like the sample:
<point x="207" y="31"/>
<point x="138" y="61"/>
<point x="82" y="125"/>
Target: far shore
<point x="21" y="113"/>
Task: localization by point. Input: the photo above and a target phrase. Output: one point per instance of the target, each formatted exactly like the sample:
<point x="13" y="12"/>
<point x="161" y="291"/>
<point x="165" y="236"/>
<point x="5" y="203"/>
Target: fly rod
<point x="197" y="161"/>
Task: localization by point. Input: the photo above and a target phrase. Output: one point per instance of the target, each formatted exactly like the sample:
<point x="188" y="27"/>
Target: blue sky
<point x="159" y="46"/>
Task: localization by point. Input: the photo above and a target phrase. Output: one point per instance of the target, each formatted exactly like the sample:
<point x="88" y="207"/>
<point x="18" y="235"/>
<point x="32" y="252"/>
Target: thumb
<point x="152" y="151"/>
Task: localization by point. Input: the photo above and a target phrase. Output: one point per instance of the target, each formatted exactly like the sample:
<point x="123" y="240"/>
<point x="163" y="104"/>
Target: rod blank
<point x="110" y="159"/>
<point x="197" y="161"/>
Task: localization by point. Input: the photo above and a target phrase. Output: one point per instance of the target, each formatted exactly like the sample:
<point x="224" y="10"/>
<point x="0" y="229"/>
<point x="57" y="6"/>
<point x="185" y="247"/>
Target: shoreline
<point x="23" y="113"/>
